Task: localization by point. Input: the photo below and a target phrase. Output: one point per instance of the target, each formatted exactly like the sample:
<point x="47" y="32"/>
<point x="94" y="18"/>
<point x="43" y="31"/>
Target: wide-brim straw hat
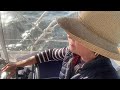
<point x="98" y="31"/>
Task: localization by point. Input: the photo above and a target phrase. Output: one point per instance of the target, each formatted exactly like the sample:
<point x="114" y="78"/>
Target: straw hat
<point x="99" y="31"/>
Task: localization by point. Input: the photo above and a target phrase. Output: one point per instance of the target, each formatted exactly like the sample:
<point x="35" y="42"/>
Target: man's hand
<point x="11" y="68"/>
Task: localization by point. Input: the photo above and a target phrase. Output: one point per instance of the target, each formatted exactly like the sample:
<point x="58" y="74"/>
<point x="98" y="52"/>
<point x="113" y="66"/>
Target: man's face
<point x="71" y="44"/>
<point x="76" y="47"/>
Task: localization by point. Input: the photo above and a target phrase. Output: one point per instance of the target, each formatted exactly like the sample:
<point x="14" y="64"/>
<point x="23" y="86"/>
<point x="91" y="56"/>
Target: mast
<point x="2" y="40"/>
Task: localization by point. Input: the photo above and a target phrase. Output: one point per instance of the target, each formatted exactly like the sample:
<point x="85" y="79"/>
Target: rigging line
<point x="3" y="45"/>
<point x="35" y="24"/>
<point x="18" y="15"/>
<point x="45" y="39"/>
<point x="44" y="31"/>
<point x="53" y="23"/>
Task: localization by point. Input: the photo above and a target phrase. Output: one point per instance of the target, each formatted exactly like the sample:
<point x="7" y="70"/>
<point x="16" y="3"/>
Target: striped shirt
<point x="51" y="55"/>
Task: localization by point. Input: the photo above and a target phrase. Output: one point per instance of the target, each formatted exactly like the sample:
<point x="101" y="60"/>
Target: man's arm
<point x="29" y="61"/>
<point x="46" y="56"/>
<point x="51" y="55"/>
<point x="11" y="67"/>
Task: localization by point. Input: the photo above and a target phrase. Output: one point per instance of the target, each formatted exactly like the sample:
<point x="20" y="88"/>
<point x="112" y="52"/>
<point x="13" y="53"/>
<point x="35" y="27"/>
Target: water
<point x="20" y="34"/>
<point x="16" y="27"/>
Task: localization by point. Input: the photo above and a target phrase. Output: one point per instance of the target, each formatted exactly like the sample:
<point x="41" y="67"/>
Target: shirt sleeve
<point x="51" y="55"/>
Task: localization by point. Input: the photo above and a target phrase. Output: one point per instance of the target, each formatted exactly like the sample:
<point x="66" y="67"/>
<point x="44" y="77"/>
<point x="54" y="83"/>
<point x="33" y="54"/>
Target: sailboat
<point x="22" y="35"/>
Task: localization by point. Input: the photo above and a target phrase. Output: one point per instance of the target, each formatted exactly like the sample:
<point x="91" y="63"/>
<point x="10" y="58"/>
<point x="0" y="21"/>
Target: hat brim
<point x="91" y="40"/>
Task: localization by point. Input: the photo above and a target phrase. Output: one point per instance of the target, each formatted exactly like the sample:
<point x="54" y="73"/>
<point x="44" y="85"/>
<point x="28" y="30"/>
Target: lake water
<point x="21" y="31"/>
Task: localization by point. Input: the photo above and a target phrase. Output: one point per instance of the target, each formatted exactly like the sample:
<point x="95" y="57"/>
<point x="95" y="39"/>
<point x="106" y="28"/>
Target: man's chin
<point x="72" y="49"/>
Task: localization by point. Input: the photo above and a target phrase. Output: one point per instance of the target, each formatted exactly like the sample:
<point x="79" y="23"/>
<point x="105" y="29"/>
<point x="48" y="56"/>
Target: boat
<point x="22" y="35"/>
